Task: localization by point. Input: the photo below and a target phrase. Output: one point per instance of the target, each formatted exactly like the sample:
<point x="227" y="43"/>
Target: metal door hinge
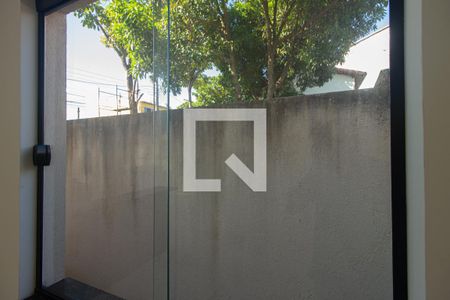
<point x="42" y="155"/>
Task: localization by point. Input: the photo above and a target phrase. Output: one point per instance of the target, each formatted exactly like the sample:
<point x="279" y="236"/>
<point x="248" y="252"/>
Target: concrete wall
<point x="115" y="206"/>
<point x="321" y="231"/>
<point x="110" y="201"/>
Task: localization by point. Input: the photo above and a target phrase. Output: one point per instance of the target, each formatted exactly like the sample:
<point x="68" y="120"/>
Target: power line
<point x="92" y="82"/>
<point x="72" y="94"/>
<point x="93" y="73"/>
<point x="73" y="101"/>
<point x="101" y="83"/>
<point x="93" y="77"/>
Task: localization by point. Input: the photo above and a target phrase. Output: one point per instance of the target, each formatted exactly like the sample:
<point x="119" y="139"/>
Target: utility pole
<point x="157" y="95"/>
<point x="155" y="80"/>
<point x="78" y="112"/>
<point x="98" y="101"/>
<point x="117" y="101"/>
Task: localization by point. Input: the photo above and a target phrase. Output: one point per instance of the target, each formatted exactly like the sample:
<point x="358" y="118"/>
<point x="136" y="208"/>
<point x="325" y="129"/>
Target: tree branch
<point x="284" y="72"/>
<point x="265" y="5"/>
<point x="119" y="52"/>
<point x="285" y="16"/>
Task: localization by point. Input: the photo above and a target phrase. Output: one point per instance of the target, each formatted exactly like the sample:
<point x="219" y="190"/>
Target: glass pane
<point x="105" y="214"/>
<point x="248" y="158"/>
<point x="280" y="150"/>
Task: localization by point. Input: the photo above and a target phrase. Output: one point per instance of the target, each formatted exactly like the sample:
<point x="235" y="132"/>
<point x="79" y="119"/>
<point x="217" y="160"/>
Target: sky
<point x="93" y="69"/>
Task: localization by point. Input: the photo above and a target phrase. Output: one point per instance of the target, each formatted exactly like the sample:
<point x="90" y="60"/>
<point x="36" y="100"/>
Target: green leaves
<point x="190" y="50"/>
<point x="261" y="48"/>
<point x="280" y="47"/>
<point x="127" y="27"/>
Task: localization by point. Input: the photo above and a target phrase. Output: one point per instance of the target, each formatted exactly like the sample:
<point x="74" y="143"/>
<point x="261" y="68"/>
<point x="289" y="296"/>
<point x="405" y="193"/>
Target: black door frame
<point x="398" y="149"/>
<point x="397" y="131"/>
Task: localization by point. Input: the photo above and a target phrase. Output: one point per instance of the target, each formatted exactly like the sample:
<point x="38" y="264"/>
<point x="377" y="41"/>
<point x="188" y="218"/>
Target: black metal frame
<point x="398" y="147"/>
<point x="48" y="6"/>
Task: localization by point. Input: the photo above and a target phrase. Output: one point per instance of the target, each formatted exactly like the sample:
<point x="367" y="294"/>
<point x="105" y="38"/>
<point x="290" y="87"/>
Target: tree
<point x="314" y="35"/>
<point x="262" y="48"/>
<point x="126" y="26"/>
<point x="189" y="46"/>
<point x="211" y="90"/>
<point x="266" y="48"/>
<point x="217" y="19"/>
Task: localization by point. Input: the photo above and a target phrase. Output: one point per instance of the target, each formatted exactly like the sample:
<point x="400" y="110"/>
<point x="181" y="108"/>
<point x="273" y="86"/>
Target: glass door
<point x="280" y="181"/>
<point x="106" y="119"/>
<point x="215" y="149"/>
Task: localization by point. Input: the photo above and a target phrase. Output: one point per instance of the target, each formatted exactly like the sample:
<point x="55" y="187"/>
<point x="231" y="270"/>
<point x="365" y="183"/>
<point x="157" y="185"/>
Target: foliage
<point x="278" y="43"/>
<point x="262" y="48"/>
<point x="212" y="90"/>
<point x="127" y="28"/>
<point x="190" y="49"/>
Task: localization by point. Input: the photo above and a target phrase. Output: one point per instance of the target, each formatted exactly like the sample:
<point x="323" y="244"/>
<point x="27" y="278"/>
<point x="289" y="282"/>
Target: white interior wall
<point x="414" y="153"/>
<point x="10" y="148"/>
<point x="436" y="110"/>
<point x="55" y="136"/>
<point x="28" y="138"/>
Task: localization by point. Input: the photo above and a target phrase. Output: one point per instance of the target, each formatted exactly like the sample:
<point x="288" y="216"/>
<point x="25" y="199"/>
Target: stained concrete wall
<point x="321" y="231"/>
<point x="110" y="199"/>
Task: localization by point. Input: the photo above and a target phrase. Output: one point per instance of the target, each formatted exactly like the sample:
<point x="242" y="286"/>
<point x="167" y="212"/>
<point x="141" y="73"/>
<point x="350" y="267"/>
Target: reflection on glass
<point x="109" y="236"/>
<point x="245" y="158"/>
<point x="321" y="228"/>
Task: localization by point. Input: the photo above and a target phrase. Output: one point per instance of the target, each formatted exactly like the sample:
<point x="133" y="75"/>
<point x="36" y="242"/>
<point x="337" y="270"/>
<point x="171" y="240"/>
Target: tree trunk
<point x="271" y="48"/>
<point x="131" y="94"/>
<point x="125" y="62"/>
<point x="232" y="55"/>
<point x="284" y="73"/>
<point x="190" y="94"/>
<point x="234" y="74"/>
<point x="270" y="73"/>
<point x="130" y="84"/>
